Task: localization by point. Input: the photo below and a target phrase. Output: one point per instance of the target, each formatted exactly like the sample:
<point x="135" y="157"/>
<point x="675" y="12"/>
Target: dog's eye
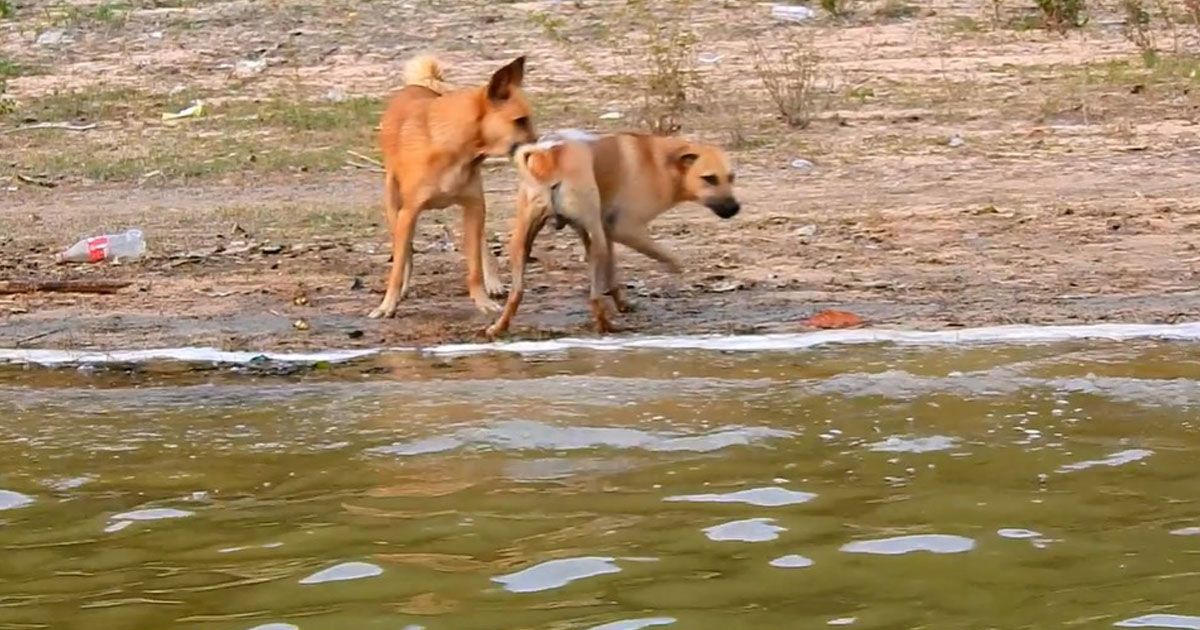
<point x="711" y="180"/>
<point x="731" y="177"/>
<point x="522" y="121"/>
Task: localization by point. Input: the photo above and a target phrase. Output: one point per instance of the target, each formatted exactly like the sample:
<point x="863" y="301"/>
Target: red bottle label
<point x="97" y="248"/>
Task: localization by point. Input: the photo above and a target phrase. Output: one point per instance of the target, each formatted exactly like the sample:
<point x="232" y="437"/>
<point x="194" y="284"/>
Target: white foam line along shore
<point x="736" y="343"/>
<point x="800" y="341"/>
<point x="187" y="355"/>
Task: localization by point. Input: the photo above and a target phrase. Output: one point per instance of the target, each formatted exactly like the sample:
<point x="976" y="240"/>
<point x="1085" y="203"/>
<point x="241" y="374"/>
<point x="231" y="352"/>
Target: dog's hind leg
<point x="392" y="203"/>
<point x="579" y="206"/>
<point x="599" y="252"/>
<point x="532" y="214"/>
<point x="614" y="286"/>
<point x="402" y="233"/>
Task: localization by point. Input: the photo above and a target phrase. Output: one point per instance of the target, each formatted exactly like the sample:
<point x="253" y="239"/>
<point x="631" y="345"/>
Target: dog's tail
<point x="538" y="164"/>
<point x="425" y="71"/>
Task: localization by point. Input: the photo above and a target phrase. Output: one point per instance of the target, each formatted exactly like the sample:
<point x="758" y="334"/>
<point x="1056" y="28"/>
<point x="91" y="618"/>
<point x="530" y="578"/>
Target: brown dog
<point x="609" y="189"/>
<point x="434" y="141"/>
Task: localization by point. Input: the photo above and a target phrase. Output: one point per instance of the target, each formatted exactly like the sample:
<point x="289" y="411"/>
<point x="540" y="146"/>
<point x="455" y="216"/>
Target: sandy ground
<point x="1071" y="198"/>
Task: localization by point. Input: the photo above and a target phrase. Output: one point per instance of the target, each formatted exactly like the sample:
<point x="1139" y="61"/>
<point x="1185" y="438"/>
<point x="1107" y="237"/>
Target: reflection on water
<point x="792" y="561"/>
<point x="874" y="487"/>
<point x="556" y="573"/>
<point x="342" y="572"/>
<point x="745" y="530"/>
<point x="765" y="497"/>
<point x="933" y="543"/>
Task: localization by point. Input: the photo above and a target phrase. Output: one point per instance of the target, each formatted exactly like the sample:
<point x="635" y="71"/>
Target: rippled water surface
<point x="868" y="487"/>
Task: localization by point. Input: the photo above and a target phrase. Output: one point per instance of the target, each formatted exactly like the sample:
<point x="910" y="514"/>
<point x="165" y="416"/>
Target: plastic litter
<point x="128" y="245"/>
<point x="194" y="110"/>
<point x="792" y="13"/>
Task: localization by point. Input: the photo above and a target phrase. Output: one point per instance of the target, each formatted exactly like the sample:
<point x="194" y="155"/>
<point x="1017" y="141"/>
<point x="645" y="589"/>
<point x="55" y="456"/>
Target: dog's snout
<point x="725" y="208"/>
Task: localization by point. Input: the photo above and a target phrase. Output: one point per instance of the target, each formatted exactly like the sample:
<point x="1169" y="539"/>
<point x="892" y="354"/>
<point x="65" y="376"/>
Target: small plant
<point x="997" y="13"/>
<point x="9" y="68"/>
<point x="655" y="45"/>
<point x="1060" y="15"/>
<point x="897" y="10"/>
<point x="7" y="104"/>
<point x="838" y="8"/>
<point x="1138" y="30"/>
<point x="1192" y="7"/>
<point x="669" y="77"/>
<point x="790" y="80"/>
<point x="7" y="9"/>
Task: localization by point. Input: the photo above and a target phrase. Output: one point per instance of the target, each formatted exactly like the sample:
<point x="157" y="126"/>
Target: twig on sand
<point x="11" y="287"/>
<point x="365" y="167"/>
<point x="45" y="183"/>
<point x="65" y="126"/>
<point x="364" y="158"/>
<point x="41" y="335"/>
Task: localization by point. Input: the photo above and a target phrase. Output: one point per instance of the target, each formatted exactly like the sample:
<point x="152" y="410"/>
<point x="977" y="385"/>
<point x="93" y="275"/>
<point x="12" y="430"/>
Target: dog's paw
<point x="607" y="327"/>
<point x="486" y="305"/>
<point x="383" y="311"/>
<point x="494" y="331"/>
<point x="495" y="288"/>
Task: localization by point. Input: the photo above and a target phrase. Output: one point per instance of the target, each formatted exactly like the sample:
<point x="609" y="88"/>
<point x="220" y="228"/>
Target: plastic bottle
<point x="128" y="245"/>
<point x="789" y="13"/>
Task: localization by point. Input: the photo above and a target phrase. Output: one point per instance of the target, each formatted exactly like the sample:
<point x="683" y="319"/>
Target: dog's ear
<point x="684" y="157"/>
<point x="505" y="79"/>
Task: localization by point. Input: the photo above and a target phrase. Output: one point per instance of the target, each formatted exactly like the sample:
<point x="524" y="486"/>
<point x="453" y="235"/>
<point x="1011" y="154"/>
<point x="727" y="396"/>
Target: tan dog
<point x="609" y="189"/>
<point x="433" y="141"/>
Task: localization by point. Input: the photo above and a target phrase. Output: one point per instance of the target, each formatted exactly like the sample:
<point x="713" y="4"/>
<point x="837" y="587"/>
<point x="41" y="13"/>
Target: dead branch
<point x="364" y="158"/>
<point x="45" y="183"/>
<point x="365" y="167"/>
<point x="12" y="287"/>
<point x="65" y="126"/>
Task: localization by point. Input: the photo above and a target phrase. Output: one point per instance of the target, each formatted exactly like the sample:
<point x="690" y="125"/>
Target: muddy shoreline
<point x="955" y="177"/>
<point x="280" y="278"/>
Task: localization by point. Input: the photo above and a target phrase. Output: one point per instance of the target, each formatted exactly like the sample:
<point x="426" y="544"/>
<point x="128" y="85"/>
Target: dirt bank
<point x="1070" y="199"/>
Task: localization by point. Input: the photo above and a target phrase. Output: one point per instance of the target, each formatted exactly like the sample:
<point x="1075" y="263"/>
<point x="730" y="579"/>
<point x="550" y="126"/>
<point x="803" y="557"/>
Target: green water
<point x="1059" y="487"/>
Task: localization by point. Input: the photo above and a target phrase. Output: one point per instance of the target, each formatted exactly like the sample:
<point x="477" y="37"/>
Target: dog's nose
<point x="726" y="208"/>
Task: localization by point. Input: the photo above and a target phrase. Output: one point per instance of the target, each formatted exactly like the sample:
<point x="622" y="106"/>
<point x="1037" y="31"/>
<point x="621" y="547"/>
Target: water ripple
<point x="793" y="561"/>
<point x="518" y="435"/>
<point x="636" y="624"/>
<point x="10" y="500"/>
<point x="1187" y="622"/>
<point x="1116" y="459"/>
<point x="342" y="572"/>
<point x="556" y="573"/>
<point x="747" y="530"/>
<point x="933" y="543"/>
<point x="764" y="497"/>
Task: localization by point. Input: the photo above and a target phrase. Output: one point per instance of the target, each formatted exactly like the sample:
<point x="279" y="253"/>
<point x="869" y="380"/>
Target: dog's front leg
<point x="474" y="215"/>
<point x="635" y="237"/>
<point x="402" y="235"/>
<point x="491" y="273"/>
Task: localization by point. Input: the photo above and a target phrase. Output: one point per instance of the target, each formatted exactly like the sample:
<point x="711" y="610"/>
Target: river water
<point x="1043" y="486"/>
